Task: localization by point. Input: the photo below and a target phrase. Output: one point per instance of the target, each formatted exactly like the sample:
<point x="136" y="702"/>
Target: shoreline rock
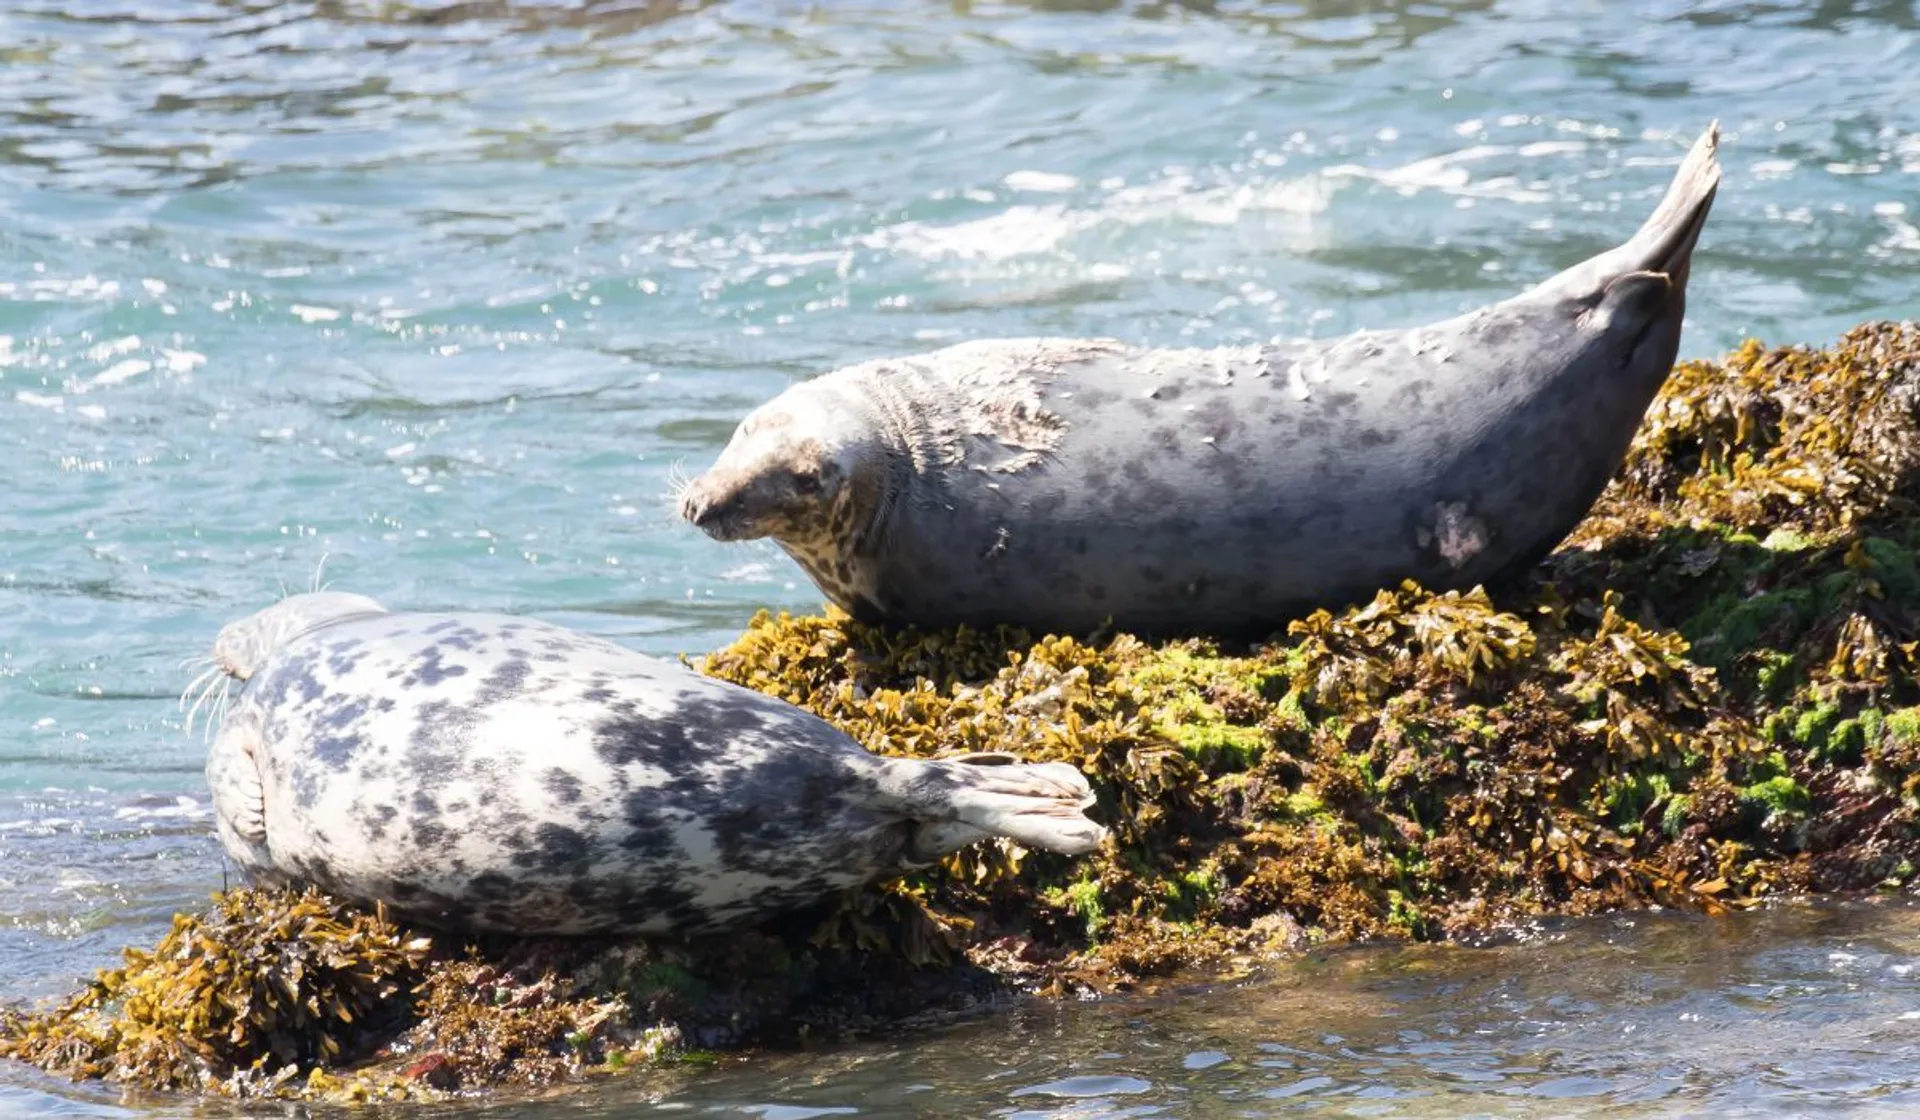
<point x="1704" y="698"/>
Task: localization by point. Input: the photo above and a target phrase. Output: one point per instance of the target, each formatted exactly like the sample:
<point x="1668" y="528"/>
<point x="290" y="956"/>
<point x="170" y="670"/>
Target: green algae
<point x="1706" y="697"/>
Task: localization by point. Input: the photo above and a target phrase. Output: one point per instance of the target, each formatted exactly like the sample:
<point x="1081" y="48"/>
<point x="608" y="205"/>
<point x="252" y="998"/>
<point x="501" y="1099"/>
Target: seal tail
<point x="958" y="801"/>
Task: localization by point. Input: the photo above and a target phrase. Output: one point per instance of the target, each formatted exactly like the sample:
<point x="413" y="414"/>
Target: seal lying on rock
<point x="493" y="772"/>
<point x="1060" y="484"/>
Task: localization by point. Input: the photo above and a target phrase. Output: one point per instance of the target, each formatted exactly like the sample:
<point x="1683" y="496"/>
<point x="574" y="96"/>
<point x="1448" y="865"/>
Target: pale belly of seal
<point x="501" y="773"/>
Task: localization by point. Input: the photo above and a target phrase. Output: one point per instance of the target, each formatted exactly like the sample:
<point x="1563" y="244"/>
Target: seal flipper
<point x="1664" y="243"/>
<point x="957" y="802"/>
<point x="240" y="791"/>
<point x="250" y="812"/>
<point x="930" y="840"/>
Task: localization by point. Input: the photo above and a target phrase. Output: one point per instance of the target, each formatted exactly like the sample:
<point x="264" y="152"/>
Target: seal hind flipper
<point x="1664" y="243"/>
<point x="1039" y="804"/>
<point x="986" y="758"/>
<point x="930" y="840"/>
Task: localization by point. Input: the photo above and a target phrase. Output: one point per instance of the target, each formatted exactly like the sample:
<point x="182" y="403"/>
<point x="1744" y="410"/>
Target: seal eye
<point x="807" y="480"/>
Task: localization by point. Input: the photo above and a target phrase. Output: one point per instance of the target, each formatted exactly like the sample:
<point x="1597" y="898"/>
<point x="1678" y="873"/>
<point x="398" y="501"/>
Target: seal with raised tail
<point x="493" y="772"/>
<point x="1064" y="484"/>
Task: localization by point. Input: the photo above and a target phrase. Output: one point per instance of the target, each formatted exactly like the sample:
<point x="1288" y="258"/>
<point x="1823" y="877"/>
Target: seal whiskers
<point x="211" y="679"/>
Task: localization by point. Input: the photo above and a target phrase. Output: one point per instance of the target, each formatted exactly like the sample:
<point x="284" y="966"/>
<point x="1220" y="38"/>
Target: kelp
<point x="1704" y="698"/>
<point x="263" y="986"/>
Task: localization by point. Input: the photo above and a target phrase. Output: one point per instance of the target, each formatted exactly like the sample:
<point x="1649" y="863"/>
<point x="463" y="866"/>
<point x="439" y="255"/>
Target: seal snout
<point x="714" y="509"/>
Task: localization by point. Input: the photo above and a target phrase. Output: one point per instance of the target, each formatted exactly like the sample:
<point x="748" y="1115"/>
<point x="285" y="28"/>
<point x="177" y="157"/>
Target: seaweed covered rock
<point x="265" y="984"/>
<point x="292" y="994"/>
<point x="1704" y="698"/>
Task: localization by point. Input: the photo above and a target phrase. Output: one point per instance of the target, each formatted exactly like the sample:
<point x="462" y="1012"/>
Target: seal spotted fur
<point x="1061" y="484"/>
<point x="494" y="772"/>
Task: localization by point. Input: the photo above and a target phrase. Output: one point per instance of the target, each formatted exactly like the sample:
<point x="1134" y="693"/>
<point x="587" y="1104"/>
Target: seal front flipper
<point x="1039" y="804"/>
<point x="239" y="790"/>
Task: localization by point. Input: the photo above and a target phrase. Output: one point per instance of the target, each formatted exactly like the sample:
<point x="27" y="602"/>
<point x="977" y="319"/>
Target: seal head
<point x="243" y="646"/>
<point x="785" y="472"/>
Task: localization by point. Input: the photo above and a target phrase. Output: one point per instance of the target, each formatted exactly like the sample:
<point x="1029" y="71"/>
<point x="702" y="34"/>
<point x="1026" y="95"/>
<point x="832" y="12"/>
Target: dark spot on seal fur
<point x="752" y="839"/>
<point x="464" y="639"/>
<point x="676" y="905"/>
<point x="437" y="746"/>
<point x="1221" y="419"/>
<point x="493" y="886"/>
<point x="374" y="821"/>
<point x="431" y="671"/>
<point x="557" y="850"/>
<point x="564" y="786"/>
<point x="505" y="681"/>
<point x="659" y="743"/>
<point x="343" y="657"/>
<point x="649" y="835"/>
<point x="429" y="836"/>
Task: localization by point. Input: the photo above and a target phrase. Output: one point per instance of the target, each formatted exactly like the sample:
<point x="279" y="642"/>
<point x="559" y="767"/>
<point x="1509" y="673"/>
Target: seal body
<point x="501" y="773"/>
<point x="1063" y="484"/>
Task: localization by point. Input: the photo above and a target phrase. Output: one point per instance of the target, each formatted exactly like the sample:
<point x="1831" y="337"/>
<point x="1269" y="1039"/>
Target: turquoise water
<point x="442" y="293"/>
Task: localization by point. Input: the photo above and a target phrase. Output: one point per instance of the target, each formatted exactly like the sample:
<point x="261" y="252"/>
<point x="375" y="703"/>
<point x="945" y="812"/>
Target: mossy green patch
<point x="1780" y="794"/>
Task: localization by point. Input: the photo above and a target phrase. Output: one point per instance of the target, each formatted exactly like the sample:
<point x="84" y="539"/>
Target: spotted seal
<point x="1062" y="484"/>
<point x="500" y="773"/>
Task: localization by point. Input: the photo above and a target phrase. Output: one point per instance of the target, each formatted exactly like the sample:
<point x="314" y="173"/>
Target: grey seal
<point x="1062" y="484"/>
<point x="495" y="772"/>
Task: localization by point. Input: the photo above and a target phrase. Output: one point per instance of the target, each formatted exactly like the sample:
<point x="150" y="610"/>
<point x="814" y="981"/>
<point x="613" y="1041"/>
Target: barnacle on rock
<point x="1705" y="697"/>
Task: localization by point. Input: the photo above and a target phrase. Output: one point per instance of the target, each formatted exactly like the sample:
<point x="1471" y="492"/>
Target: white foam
<point x="104" y="350"/>
<point x="119" y="372"/>
<point x="183" y="361"/>
<point x="39" y="400"/>
<point x="1042" y="182"/>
